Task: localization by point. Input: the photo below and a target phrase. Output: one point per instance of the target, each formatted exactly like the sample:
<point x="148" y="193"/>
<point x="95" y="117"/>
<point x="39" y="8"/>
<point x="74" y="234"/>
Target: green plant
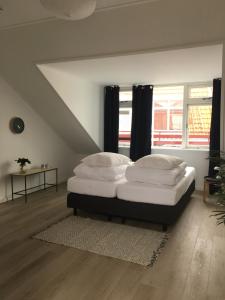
<point x="218" y="159"/>
<point x="23" y="161"/>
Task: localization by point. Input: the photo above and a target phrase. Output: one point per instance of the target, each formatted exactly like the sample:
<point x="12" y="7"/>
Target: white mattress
<point x="149" y="193"/>
<point x="92" y="187"/>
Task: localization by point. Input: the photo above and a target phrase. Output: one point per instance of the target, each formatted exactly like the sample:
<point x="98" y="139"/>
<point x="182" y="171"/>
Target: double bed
<point x="146" y="202"/>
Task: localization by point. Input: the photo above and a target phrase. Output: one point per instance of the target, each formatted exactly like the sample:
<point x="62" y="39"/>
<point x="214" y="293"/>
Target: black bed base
<point x="160" y="214"/>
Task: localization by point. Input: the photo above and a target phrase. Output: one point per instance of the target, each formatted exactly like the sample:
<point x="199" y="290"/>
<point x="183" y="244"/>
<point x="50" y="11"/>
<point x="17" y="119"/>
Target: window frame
<point x="186" y="102"/>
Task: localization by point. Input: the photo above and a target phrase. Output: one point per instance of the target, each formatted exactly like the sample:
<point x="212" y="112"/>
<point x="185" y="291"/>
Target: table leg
<point x="12" y="187"/>
<point x="25" y="182"/>
<point x="206" y="191"/>
<point x="56" y="180"/>
<point x="44" y="180"/>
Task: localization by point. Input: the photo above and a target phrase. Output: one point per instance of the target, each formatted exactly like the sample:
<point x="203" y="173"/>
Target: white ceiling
<point x="175" y="66"/>
<point x="25" y="12"/>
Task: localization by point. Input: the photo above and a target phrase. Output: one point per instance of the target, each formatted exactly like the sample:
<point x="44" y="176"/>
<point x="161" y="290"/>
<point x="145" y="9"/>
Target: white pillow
<point x="159" y="161"/>
<point x="106" y="159"/>
<point x="100" y="173"/>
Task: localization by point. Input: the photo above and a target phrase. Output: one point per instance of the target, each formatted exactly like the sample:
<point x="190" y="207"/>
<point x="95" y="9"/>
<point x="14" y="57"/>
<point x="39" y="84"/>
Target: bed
<point x="146" y="202"/>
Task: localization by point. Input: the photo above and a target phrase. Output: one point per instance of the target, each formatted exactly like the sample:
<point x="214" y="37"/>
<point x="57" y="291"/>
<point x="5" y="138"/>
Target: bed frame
<point x="160" y="214"/>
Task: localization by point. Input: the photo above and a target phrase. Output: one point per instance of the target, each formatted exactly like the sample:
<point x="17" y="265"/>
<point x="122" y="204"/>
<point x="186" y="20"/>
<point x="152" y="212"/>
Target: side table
<point x="32" y="172"/>
<point x="209" y="181"/>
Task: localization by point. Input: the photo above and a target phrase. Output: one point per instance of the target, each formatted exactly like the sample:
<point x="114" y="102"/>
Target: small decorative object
<point x="70" y="9"/>
<point x="17" y="125"/>
<point x="22" y="162"/>
<point x="44" y="166"/>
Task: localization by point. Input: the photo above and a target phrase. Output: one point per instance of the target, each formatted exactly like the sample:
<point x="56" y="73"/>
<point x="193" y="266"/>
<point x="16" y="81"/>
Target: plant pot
<point x="22" y="169"/>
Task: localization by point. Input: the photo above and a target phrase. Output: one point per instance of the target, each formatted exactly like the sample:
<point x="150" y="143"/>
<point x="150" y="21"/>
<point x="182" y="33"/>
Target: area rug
<point x="134" y="244"/>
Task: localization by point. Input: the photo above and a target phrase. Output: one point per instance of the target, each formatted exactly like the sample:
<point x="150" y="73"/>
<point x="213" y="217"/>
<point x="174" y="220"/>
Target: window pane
<point x="176" y="119"/>
<point x="168" y="93"/>
<point x="160" y="120"/>
<point x="126" y="96"/>
<point x="125" y="127"/>
<point x="168" y="116"/>
<point x="199" y="122"/>
<point x="200" y="92"/>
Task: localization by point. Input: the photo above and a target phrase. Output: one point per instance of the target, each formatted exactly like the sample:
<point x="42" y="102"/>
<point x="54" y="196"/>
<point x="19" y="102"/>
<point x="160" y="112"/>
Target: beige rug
<point x="129" y="243"/>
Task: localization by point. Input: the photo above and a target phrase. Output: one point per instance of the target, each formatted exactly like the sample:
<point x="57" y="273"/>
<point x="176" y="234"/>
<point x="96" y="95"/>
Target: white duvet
<point x="100" y="173"/>
<point x="155" y="176"/>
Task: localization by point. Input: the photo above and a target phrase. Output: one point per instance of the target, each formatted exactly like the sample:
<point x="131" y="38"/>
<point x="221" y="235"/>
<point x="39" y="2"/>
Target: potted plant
<point x="22" y="162"/>
<point x="219" y="162"/>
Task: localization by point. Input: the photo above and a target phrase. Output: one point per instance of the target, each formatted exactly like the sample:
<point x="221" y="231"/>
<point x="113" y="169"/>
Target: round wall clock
<point x="17" y="125"/>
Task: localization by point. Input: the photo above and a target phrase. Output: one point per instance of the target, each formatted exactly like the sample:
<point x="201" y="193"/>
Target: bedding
<point x="159" y="161"/>
<point x="99" y="188"/>
<point x="106" y="159"/>
<point x="155" y="176"/>
<point x="160" y="195"/>
<point x="100" y="173"/>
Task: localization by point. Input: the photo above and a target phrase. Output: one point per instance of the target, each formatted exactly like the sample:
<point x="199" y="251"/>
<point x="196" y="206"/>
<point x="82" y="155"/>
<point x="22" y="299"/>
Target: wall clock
<point x="17" y="125"/>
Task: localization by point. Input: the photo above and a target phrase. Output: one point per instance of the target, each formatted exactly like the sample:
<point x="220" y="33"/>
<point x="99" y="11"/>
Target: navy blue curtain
<point x="141" y="121"/>
<point x="111" y="119"/>
<point x="214" y="147"/>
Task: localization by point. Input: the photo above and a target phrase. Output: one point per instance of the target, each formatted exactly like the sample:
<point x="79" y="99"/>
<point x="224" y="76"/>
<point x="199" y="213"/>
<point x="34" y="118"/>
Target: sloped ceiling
<point x="156" y="25"/>
<point x="83" y="97"/>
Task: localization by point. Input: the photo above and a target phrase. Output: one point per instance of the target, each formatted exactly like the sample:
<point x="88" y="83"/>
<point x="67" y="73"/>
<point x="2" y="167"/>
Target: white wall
<point x="194" y="158"/>
<point x="197" y="64"/>
<point x="84" y="99"/>
<point x="38" y="142"/>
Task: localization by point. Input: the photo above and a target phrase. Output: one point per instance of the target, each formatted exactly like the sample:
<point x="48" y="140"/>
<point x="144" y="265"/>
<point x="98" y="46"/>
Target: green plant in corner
<point x="219" y="161"/>
<point x="22" y="162"/>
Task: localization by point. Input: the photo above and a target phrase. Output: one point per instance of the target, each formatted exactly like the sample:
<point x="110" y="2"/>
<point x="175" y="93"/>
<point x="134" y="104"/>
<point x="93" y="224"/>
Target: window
<point x="125" y="118"/>
<point x="181" y="116"/>
<point x="199" y="121"/>
<point x="167" y="116"/>
<point x="200" y="92"/>
<point x="125" y="127"/>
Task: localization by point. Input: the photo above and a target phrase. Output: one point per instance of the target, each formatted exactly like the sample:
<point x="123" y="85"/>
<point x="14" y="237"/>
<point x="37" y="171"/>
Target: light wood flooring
<point x="191" y="267"/>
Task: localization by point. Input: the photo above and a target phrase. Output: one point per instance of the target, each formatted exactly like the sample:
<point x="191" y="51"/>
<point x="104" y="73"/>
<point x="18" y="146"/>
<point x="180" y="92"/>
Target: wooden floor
<point x="192" y="265"/>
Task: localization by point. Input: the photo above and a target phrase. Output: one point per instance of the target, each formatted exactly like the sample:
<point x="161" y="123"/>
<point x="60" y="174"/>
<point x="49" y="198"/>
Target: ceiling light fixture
<point x="70" y="9"/>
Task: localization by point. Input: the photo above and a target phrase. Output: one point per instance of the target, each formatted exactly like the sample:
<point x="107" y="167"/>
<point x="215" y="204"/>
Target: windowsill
<point x="172" y="148"/>
<point x="125" y="147"/>
<point x="181" y="149"/>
